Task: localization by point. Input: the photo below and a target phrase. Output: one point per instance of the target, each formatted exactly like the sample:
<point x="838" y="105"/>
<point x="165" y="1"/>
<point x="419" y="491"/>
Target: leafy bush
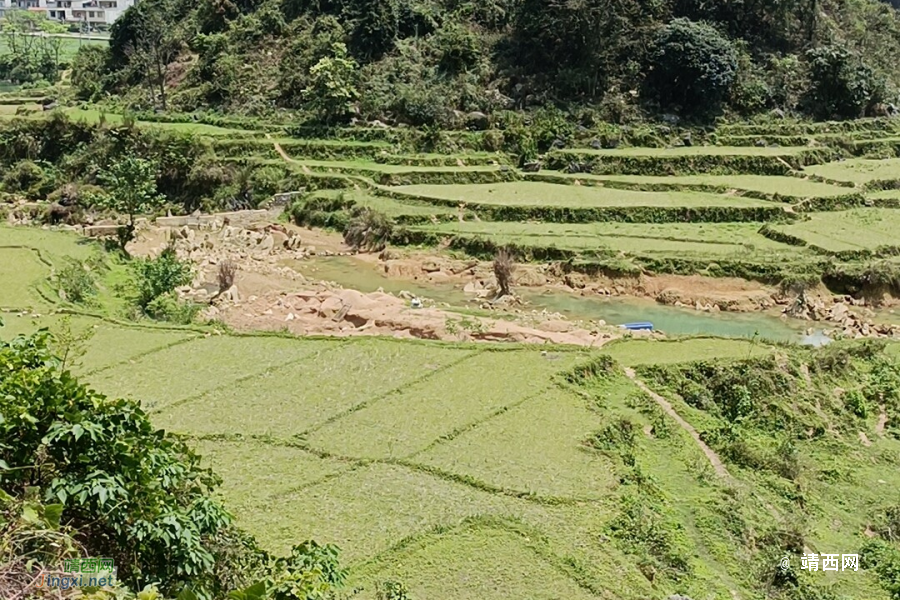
<point x="30" y="179"/>
<point x="311" y="571"/>
<point x="136" y="494"/>
<point x="30" y="537"/>
<point x="391" y="590"/>
<point x="692" y="67"/>
<point x="842" y="85"/>
<point x="155" y="277"/>
<point x="645" y="528"/>
<point x="368" y="229"/>
<point x="168" y="307"/>
<point x="884" y="559"/>
<point x="855" y="400"/>
<point x="618" y="436"/>
<point x="458" y="47"/>
<point x="883" y="382"/>
<point x="75" y="194"/>
<point x="76" y="282"/>
<point x="888" y="523"/>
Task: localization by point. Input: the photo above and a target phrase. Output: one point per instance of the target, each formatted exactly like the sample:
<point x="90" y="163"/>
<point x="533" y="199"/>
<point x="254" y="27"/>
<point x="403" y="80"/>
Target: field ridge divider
<point x="462" y="429"/>
<point x="465" y="480"/>
<point x="365" y="403"/>
<point x="141" y="355"/>
<point x="241" y="379"/>
<point x="530" y="536"/>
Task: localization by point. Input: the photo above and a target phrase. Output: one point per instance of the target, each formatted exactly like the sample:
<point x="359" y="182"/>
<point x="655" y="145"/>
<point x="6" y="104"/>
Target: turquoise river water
<point x="352" y="273"/>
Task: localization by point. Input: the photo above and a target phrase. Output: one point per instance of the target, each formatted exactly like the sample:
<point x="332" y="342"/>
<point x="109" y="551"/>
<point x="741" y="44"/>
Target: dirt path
<point x="713" y="458"/>
<point x="280" y="150"/>
<point x="882" y="421"/>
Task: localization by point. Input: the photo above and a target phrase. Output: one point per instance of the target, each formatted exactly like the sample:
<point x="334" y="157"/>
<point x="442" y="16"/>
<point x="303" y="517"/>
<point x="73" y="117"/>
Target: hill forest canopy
<point x="451" y="64"/>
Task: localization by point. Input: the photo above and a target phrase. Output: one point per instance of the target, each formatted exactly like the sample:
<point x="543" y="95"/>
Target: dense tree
<point x="331" y="88"/>
<point x="420" y="61"/>
<point x="843" y="86"/>
<point x="88" y="72"/>
<point x="582" y="44"/>
<point x="692" y="68"/>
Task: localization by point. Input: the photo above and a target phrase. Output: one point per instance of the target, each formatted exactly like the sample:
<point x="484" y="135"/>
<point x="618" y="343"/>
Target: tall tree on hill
<point x="582" y="44"/>
<point x="144" y="42"/>
<point x="376" y="26"/>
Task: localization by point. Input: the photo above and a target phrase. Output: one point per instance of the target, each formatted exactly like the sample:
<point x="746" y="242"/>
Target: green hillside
<point x="451" y="64"/>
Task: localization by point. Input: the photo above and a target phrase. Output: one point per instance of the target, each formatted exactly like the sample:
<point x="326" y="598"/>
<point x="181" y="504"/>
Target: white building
<point x="95" y="14"/>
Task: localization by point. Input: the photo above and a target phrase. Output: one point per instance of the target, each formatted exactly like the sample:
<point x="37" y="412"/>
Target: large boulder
<point x="266" y="244"/>
<point x="477" y="121"/>
<point x="330" y="307"/>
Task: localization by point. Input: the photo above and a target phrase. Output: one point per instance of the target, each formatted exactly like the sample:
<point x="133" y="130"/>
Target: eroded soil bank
<point x="284" y="282"/>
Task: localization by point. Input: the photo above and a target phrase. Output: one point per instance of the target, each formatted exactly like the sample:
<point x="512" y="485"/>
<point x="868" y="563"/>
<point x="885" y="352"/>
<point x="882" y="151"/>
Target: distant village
<point x="80" y="15"/>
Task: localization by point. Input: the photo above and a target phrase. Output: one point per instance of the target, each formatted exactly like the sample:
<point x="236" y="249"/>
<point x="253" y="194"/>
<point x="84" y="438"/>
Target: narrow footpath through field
<point x="713" y="458"/>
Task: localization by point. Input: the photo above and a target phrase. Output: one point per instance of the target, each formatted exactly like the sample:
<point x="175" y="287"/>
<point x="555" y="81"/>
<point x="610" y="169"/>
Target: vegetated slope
<point x="418" y="61"/>
<point x="481" y="471"/>
<point x="556" y="479"/>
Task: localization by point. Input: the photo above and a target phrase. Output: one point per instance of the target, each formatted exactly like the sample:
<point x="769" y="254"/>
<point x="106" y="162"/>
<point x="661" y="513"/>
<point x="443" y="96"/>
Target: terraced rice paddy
<point x="695" y="151"/>
<point x="850" y="230"/>
<point x="548" y="194"/>
<point x="774" y="185"/>
<point x="858" y="171"/>
<point x="701" y="239"/>
<point x="480" y="471"/>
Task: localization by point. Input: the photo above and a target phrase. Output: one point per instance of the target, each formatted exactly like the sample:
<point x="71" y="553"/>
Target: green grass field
<point x="701" y="239"/>
<point x="774" y="184"/>
<point x="69" y="45"/>
<point x="859" y="229"/>
<point x="858" y="171"/>
<point x="528" y="193"/>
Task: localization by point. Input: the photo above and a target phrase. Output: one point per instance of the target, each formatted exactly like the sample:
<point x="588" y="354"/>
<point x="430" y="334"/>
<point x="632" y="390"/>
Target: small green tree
<point x="311" y="572"/>
<point x="131" y="183"/>
<point x="88" y="69"/>
<point x="331" y="90"/>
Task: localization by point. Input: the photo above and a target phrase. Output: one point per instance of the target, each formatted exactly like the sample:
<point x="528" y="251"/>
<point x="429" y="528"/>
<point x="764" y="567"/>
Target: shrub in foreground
<point x="134" y="493"/>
